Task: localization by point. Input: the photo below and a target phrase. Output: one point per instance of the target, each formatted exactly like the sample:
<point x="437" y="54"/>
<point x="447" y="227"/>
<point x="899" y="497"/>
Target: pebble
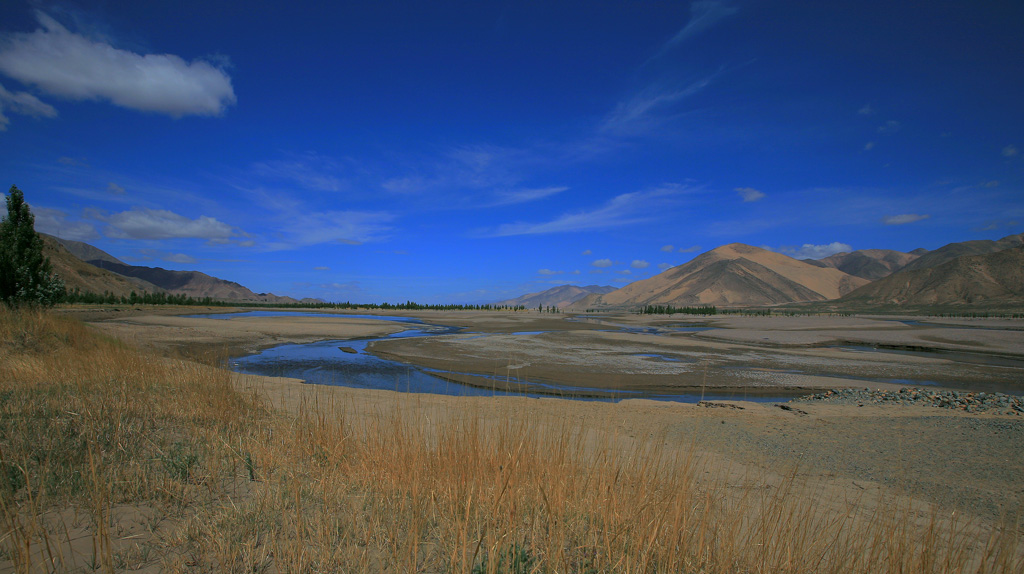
<point x="971" y="402"/>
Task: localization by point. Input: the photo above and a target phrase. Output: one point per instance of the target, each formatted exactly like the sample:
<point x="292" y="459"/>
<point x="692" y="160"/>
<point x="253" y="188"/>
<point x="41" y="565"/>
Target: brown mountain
<point x="954" y="250"/>
<point x="991" y="278"/>
<point x="84" y="251"/>
<point x="732" y="275"/>
<point x="561" y="296"/>
<point x="104" y="273"/>
<point x="870" y="264"/>
<point x="80" y="275"/>
<point x="193" y="283"/>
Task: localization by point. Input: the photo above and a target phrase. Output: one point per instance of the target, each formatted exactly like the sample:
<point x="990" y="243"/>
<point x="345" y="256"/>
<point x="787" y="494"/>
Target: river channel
<point x="347" y="363"/>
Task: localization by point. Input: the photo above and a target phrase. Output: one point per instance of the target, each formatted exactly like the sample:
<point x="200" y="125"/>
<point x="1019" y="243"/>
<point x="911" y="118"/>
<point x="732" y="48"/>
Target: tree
<point x="25" y="273"/>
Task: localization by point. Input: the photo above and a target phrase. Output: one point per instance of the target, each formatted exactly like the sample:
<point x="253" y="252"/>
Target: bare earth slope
<point x="80" y="275"/>
<point x="993" y="277"/>
<point x="954" y="250"/>
<point x="561" y="296"/>
<point x="870" y="264"/>
<point x="193" y="283"/>
<point x="734" y="274"/>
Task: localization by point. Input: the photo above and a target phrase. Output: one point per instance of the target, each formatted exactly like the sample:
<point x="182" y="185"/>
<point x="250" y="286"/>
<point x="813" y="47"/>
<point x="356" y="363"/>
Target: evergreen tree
<point x="25" y="274"/>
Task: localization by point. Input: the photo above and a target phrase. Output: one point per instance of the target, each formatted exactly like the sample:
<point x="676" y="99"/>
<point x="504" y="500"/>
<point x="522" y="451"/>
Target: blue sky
<point x="474" y="151"/>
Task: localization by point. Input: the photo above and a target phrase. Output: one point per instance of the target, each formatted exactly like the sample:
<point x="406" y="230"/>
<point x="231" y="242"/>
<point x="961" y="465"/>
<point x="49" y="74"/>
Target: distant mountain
<point x="104" y="273"/>
<point x="193" y="283"/>
<point x="80" y="275"/>
<point x="954" y="250"/>
<point x="560" y="297"/>
<point x="969" y="279"/>
<point x="732" y="275"/>
<point x="870" y="264"/>
<point x="86" y="252"/>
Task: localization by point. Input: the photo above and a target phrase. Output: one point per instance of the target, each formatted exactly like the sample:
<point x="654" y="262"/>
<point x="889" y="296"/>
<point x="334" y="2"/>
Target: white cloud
<point x="639" y="264"/>
<point x="668" y="248"/>
<point x="549" y="272"/>
<point x="749" y="194"/>
<point x="115" y="189"/>
<point x="72" y="66"/>
<point x="867" y="110"/>
<point x="602" y="263"/>
<point x="54" y="222"/>
<point x="692" y="249"/>
<point x="869" y="146"/>
<point x="1010" y="151"/>
<point x="143" y="223"/>
<point x="587" y="252"/>
<point x="664" y="266"/>
<point x="809" y="251"/>
<point x="625" y="209"/>
<point x="903" y="219"/>
<point x="622" y="280"/>
<point x="624" y="272"/>
<point x="22" y="103"/>
<point x="321" y="268"/>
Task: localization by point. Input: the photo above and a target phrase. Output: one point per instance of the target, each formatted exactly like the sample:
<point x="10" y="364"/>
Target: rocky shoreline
<point x="971" y="402"/>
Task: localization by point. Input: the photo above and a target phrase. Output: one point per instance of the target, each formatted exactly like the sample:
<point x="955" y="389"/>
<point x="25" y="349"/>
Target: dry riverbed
<point x="956" y="460"/>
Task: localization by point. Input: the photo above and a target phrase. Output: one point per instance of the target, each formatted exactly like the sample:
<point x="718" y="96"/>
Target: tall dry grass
<point x="116" y="460"/>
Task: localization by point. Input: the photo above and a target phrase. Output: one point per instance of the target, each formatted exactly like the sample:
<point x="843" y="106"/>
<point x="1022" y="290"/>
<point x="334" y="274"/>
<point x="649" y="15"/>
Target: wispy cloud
<point x="340" y="227"/>
<point x="691" y="249"/>
<point x="311" y="171"/>
<point x="549" y="272"/>
<point x="749" y="194"/>
<point x="665" y="266"/>
<point x="904" y="218"/>
<point x="1010" y="151"/>
<point x="22" y="103"/>
<point x="703" y="15"/>
<point x="62" y="63"/>
<point x="648" y="108"/>
<point x="639" y="264"/>
<point x="602" y="263"/>
<point x="516" y="196"/>
<point x="622" y="210"/>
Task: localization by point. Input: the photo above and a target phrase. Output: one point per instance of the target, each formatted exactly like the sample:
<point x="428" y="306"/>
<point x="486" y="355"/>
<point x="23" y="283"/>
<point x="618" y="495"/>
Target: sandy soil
<point x="737" y="354"/>
<point x="969" y="462"/>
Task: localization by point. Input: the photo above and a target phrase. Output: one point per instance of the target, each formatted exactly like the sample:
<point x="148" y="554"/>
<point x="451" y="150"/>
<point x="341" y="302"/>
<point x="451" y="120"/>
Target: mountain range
<point x="91" y="269"/>
<point x="979" y="273"/>
<point x="560" y="297"/>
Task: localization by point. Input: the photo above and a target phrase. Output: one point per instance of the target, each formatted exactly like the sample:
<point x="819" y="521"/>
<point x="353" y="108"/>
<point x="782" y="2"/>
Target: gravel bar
<point x="971" y="402"/>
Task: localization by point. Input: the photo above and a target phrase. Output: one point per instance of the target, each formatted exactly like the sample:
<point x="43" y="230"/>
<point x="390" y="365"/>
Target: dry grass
<point x="116" y="460"/>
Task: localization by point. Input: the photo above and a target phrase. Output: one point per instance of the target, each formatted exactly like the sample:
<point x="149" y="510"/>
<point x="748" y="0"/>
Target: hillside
<point x="193" y="283"/>
<point x="84" y="251"/>
<point x="80" y="275"/>
<point x="104" y="273"/>
<point x="954" y="250"/>
<point x="561" y="296"/>
<point x="990" y="278"/>
<point x="733" y="275"/>
<point x="870" y="264"/>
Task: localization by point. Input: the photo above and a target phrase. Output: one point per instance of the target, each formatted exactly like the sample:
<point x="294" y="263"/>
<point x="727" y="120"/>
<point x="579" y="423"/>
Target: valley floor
<point x="941" y="467"/>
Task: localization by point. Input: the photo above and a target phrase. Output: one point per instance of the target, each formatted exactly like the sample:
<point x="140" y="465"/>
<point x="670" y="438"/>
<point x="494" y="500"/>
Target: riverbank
<point x="276" y="474"/>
